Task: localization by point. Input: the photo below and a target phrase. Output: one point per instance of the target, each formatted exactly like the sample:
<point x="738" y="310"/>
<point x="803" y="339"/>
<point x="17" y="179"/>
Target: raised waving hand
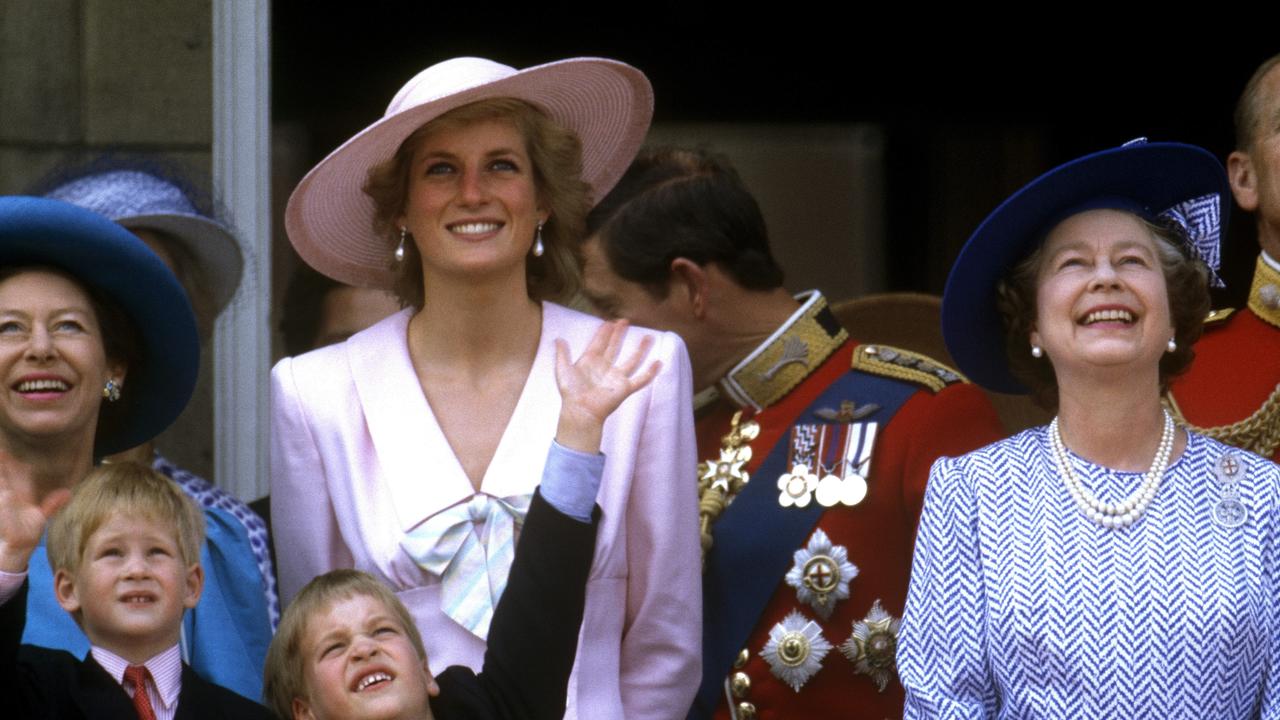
<point x="594" y="385"/>
<point x="22" y="516"/>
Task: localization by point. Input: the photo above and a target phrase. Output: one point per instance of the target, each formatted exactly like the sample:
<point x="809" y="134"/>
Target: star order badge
<point x="873" y="645"/>
<point x="795" y="650"/>
<point x="720" y="480"/>
<point x="821" y="574"/>
<point x="726" y="474"/>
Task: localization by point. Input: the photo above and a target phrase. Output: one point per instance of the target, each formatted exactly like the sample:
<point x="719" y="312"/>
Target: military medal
<point x="797" y="486"/>
<point x="721" y="479"/>
<point x="831" y="462"/>
<point x="795" y="650"/>
<point x="1228" y="511"/>
<point x="726" y="474"/>
<point x="821" y="574"/>
<point x="873" y="645"/>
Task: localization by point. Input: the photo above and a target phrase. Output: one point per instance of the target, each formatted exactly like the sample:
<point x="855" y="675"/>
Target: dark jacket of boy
<point x="533" y="638"/>
<point x="39" y="683"/>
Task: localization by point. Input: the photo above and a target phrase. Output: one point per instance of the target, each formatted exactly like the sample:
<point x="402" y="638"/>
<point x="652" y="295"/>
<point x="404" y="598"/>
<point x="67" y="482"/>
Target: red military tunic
<point x="943" y="417"/>
<point x="1232" y="391"/>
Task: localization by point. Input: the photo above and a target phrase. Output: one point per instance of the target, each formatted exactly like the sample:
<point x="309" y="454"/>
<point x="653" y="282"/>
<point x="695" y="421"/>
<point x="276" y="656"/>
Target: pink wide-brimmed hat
<point x="329" y="218"/>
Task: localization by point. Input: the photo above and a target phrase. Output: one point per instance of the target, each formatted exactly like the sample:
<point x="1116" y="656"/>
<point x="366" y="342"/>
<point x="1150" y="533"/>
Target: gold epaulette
<point x="1258" y="433"/>
<point x="905" y="365"/>
<point x="1216" y="316"/>
<point x="1264" y="295"/>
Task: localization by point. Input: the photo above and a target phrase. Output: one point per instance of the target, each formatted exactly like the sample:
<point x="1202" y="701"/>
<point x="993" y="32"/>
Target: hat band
<point x="1198" y="218"/>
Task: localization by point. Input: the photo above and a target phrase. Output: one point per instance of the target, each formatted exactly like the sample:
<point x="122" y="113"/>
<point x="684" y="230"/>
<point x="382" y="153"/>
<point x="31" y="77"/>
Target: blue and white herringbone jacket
<point x="1021" y="607"/>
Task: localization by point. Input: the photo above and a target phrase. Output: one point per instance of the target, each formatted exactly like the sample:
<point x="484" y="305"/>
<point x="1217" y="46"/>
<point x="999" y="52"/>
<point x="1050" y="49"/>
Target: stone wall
<point x="83" y="77"/>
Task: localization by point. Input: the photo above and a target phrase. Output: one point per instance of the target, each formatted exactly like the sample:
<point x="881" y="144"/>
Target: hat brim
<point x="209" y="243"/>
<point x="329" y="219"/>
<point x="1151" y="176"/>
<point x="108" y="258"/>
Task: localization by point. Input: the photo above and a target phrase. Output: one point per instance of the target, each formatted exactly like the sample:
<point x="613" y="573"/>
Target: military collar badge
<point x="797" y="348"/>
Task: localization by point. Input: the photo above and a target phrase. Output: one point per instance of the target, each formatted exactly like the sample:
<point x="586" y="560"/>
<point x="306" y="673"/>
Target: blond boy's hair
<point x="284" y="677"/>
<point x="130" y="489"/>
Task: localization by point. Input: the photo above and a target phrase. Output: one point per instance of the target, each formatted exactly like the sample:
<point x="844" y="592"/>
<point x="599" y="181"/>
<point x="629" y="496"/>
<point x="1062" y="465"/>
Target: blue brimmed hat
<point x="112" y="261"/>
<point x="1172" y="182"/>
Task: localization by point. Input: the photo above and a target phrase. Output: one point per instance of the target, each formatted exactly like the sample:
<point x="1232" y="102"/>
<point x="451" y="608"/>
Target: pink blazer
<point x="358" y="460"/>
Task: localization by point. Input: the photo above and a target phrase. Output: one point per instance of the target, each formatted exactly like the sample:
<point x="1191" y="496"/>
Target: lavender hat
<point x="141" y="200"/>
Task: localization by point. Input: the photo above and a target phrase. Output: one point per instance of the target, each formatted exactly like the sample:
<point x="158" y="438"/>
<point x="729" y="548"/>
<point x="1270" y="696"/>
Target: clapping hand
<point x="22" y="516"/>
<point x="595" y="385"/>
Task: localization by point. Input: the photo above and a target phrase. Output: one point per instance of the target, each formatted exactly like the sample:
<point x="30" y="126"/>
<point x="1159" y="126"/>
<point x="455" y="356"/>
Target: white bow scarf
<point x="472" y="573"/>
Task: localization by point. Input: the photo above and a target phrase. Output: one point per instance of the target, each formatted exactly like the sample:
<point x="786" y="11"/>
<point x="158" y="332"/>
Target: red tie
<point x="136" y="675"/>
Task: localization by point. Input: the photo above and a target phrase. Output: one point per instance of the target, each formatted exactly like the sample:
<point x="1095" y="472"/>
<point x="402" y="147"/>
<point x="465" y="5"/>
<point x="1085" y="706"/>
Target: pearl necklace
<point x="1118" y="514"/>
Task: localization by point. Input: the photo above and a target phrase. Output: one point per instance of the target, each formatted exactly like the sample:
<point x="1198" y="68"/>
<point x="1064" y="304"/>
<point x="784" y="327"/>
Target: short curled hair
<point x="556" y="154"/>
<point x="284" y="676"/>
<point x="683" y="203"/>
<point x="1187" y="284"/>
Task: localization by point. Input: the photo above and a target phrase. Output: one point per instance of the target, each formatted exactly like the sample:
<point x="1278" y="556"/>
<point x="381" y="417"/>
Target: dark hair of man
<point x="1248" y="110"/>
<point x="683" y="203"/>
<point x="302" y="307"/>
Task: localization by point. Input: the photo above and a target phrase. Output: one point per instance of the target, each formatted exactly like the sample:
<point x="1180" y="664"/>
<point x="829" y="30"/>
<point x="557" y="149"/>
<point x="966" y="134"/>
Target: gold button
<point x="746" y="711"/>
<point x="740" y="685"/>
<point x="742" y="659"/>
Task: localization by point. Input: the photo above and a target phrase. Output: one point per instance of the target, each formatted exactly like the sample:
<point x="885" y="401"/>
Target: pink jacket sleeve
<point x="661" y="656"/>
<point x="303" y="523"/>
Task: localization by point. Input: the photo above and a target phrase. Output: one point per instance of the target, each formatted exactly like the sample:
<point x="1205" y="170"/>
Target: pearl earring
<point x="1172" y="346"/>
<point x="538" y="249"/>
<point x="1036" y="351"/>
<point x="399" y="253"/>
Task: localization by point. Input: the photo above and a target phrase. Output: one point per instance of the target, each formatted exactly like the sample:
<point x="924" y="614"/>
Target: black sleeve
<point x="30" y="678"/>
<point x="533" y="638"/>
<point x="13" y="618"/>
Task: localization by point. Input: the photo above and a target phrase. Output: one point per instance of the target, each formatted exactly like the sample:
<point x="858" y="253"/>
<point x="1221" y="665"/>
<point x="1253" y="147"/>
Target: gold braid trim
<point x="907" y="365"/>
<point x="1264" y="295"/>
<point x="1259" y="433"/>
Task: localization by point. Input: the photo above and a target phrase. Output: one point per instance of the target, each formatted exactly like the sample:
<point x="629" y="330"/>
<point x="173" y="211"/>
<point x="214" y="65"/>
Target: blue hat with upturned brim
<point x="1146" y="178"/>
<point x="113" y="262"/>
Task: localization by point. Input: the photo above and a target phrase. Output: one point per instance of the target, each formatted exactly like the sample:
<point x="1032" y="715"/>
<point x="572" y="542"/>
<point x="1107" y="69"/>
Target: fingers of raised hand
<point x="628" y="366"/>
<point x="607" y="340"/>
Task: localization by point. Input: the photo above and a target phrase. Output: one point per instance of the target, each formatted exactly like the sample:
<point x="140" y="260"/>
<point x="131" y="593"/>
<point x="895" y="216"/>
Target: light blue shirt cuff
<point x="571" y="480"/>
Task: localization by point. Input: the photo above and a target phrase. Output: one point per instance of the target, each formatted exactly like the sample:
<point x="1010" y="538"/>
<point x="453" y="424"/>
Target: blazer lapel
<point x="99" y="696"/>
<point x="421" y="472"/>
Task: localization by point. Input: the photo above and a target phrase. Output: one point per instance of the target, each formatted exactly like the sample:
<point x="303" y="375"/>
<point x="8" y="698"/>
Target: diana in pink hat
<point x="411" y="450"/>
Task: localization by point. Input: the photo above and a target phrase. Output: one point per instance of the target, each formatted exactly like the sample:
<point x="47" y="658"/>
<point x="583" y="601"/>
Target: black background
<point x="1074" y="82"/>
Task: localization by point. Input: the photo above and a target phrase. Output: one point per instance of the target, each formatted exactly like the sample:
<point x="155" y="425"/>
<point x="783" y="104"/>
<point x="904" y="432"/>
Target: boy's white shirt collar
<point x="165" y="669"/>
